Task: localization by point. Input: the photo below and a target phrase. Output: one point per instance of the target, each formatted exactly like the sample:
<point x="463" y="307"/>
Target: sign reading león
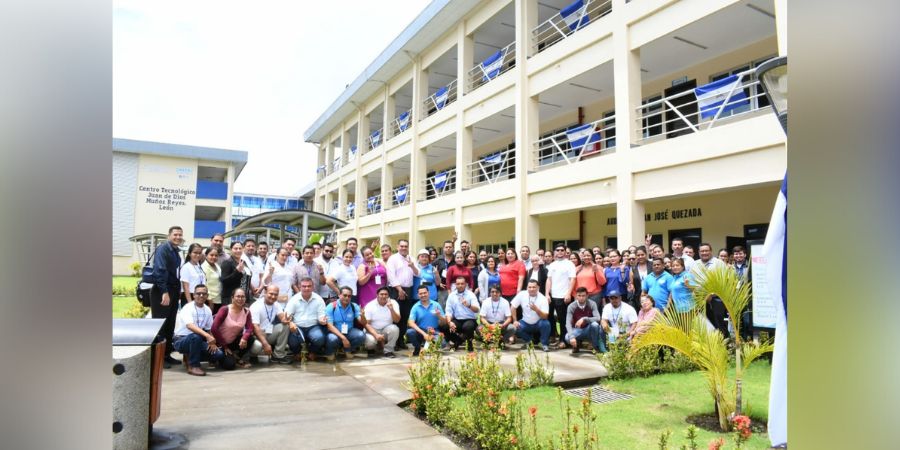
<point x="166" y="198"/>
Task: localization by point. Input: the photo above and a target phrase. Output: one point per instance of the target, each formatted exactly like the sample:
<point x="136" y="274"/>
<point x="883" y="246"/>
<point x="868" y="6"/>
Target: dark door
<point x="756" y="231"/>
<point x="657" y="239"/>
<point x="690" y="236"/>
<point x="686" y="105"/>
<point x="732" y="241"/>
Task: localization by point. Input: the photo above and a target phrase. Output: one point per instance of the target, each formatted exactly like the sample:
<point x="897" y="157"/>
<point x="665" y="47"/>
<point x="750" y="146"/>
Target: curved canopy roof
<point x="304" y="219"/>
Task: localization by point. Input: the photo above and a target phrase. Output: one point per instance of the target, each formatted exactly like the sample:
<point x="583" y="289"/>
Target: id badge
<point x="377" y="279"/>
<point x="344" y="328"/>
<point x="613" y="334"/>
<point x="427" y="343"/>
<point x="268" y="329"/>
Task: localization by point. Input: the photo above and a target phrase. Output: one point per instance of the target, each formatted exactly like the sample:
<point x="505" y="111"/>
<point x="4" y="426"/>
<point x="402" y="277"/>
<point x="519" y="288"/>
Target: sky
<point x="239" y="75"/>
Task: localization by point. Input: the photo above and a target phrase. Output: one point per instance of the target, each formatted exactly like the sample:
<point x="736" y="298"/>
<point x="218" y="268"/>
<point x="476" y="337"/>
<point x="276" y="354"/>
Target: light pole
<point x="773" y="78"/>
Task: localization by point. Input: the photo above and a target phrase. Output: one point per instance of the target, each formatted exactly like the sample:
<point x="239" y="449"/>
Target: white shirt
<point x="380" y="316"/>
<point x="193" y="275"/>
<point x="524" y="300"/>
<point x="697" y="268"/>
<point x="190" y="314"/>
<point x="559" y="272"/>
<point x="289" y="262"/>
<point x="624" y="313"/>
<point x="455" y="307"/>
<point x="330" y="266"/>
<point x="256" y="266"/>
<point x="345" y="276"/>
<point x="282" y="278"/>
<point x="264" y="315"/>
<point x="495" y="312"/>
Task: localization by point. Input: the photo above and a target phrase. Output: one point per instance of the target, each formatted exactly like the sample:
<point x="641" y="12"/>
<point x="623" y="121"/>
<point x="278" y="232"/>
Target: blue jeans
<point x="527" y="331"/>
<point x="195" y="347"/>
<point x="356" y="337"/>
<point x="592" y="332"/>
<point x="414" y="338"/>
<point x="314" y="336"/>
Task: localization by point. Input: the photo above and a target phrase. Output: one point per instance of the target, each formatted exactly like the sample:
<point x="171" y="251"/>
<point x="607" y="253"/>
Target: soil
<point x="710" y="422"/>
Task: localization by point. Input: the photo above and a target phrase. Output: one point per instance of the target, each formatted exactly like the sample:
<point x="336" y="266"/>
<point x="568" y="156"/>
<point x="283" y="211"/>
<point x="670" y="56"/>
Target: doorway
<point x="685" y="104"/>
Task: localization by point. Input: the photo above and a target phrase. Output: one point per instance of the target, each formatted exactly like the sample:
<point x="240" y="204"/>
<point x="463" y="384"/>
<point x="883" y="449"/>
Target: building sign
<point x="763" y="303"/>
<point x="665" y="215"/>
<point x="166" y="195"/>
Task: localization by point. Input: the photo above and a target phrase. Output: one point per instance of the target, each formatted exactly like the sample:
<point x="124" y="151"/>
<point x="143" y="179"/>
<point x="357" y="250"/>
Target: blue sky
<point x="244" y="75"/>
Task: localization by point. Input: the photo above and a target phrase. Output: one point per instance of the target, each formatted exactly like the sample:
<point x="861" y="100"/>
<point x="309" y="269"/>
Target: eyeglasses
<point x="201" y="294"/>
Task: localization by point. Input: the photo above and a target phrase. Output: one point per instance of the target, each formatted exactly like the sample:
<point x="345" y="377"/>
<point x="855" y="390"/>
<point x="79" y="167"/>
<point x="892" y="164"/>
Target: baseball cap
<point x="613" y="293"/>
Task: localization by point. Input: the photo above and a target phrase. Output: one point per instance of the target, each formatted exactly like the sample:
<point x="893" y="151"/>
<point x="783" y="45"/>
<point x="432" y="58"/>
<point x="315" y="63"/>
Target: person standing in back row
<point x="560" y="277"/>
<point x="166" y="287"/>
<point x="400" y="272"/>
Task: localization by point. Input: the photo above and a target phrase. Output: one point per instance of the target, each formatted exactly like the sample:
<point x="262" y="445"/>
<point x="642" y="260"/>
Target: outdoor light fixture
<point x="773" y="78"/>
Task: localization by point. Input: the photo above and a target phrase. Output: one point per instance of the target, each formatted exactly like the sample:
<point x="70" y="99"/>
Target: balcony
<point x="206" y="228"/>
<point x="400" y="123"/>
<point x="351" y="155"/>
<point x="213" y="190"/>
<point x="373" y="204"/>
<point x="375" y="138"/>
<point x="568" y="21"/>
<point x="495" y="65"/>
<point x="726" y="99"/>
<point x="336" y="165"/>
<point x="576" y="143"/>
<point x="441" y="98"/>
<point x="440" y="184"/>
<point x="492" y="168"/>
<point x="400" y="196"/>
<point x="351" y="210"/>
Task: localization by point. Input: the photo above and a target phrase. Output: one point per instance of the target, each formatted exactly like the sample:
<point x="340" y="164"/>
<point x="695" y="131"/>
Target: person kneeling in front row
<point x="495" y="312"/>
<point x="306" y="311"/>
<point x="381" y="318"/>
<point x="192" y="333"/>
<point x="583" y="322"/>
<point x="426" y="321"/>
<point x="535" y="310"/>
<point x="616" y="319"/>
<point x="270" y="327"/>
<point x="342" y="316"/>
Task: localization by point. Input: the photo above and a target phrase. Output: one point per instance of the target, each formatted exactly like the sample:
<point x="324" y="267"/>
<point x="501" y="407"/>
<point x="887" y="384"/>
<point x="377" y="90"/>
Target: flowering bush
<point x="429" y="384"/>
<point x="742" y="431"/>
<point x="642" y="363"/>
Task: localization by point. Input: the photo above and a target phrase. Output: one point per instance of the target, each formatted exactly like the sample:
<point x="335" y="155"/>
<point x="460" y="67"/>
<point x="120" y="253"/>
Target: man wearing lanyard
<point x="167" y="287"/>
<point x="270" y="327"/>
<point x="400" y="273"/>
<point x="535" y="311"/>
<point x="496" y="312"/>
<point x="342" y="315"/>
<point x="327" y="262"/>
<point x="426" y="320"/>
<point x="380" y="318"/>
<point x="462" y="310"/>
<point x="616" y="319"/>
<point x="192" y="333"/>
<point x="306" y="311"/>
<point x="308" y="268"/>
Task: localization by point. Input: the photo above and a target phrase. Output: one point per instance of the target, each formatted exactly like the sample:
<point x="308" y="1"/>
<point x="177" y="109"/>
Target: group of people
<point x="315" y="301"/>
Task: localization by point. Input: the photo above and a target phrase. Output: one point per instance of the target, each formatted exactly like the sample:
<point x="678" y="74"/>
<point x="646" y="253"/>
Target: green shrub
<point x="137" y="311"/>
<point x="642" y="363"/>
<point x="136" y="269"/>
<point x="430" y="385"/>
<point x="129" y="291"/>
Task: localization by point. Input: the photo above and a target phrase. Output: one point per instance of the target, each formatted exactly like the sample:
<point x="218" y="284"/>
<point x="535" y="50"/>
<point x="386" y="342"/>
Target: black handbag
<point x="143" y="295"/>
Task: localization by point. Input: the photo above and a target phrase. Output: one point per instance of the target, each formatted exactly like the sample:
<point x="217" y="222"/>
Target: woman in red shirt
<point x="591" y="277"/>
<point x="511" y="275"/>
<point x="460" y="270"/>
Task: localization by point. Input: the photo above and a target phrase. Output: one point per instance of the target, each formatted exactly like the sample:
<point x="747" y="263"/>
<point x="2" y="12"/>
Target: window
<point x="754" y="93"/>
<point x="610" y="134"/>
<point x="491" y="249"/>
<point x="652" y="122"/>
<point x="549" y="153"/>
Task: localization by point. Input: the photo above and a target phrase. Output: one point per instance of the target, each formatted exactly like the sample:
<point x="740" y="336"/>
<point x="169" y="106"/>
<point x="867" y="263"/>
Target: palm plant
<point x="690" y="334"/>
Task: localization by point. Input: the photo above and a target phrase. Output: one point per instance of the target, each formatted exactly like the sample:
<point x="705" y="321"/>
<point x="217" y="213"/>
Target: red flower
<point x="513" y="440"/>
<point x="532" y="411"/>
<point x="716" y="444"/>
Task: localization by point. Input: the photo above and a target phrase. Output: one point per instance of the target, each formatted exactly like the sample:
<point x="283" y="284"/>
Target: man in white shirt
<point x="560" y="276"/>
<point x="400" y="272"/>
<point x="678" y="252"/>
<point x="535" y="311"/>
<point x="270" y="327"/>
<point x="616" y="319"/>
<point x="257" y="267"/>
<point x="715" y="309"/>
<point x="462" y="312"/>
<point x="327" y="263"/>
<point x="193" y="338"/>
<point x="496" y="312"/>
<point x="289" y="244"/>
<point x="525" y="256"/>
<point x="306" y="311"/>
<point x="381" y="318"/>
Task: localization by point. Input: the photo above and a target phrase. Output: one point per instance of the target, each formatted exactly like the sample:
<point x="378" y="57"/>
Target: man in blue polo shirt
<point x="462" y="313"/>
<point x="306" y="311"/>
<point x="657" y="284"/>
<point x="426" y="320"/>
<point x="342" y="315"/>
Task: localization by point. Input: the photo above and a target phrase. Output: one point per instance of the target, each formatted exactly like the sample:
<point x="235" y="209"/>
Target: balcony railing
<point x="321" y="171"/>
<point x="576" y="143"/>
<point x="568" y="21"/>
<point x="376" y="138"/>
<point x="440" y="99"/>
<point x="401" y="123"/>
<point x="351" y="155"/>
<point x="492" y="67"/>
<point x="373" y="204"/>
<point x="440" y="184"/>
<point x="351" y="210"/>
<point x="701" y="108"/>
<point x="336" y="164"/>
<point x="334" y="210"/>
<point x="491" y="168"/>
<point x="400" y="196"/>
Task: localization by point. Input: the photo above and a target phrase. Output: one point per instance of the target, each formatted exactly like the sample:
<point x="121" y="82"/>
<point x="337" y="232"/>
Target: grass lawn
<point x="124" y="282"/>
<point x="660" y="402"/>
<point x="120" y="304"/>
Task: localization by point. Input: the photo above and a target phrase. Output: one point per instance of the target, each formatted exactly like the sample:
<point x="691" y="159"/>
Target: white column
<point x="417" y="155"/>
<point x="464" y="57"/>
<point x="329" y="157"/>
<point x="389" y="111"/>
<point x="527" y="227"/>
<point x="781" y="19"/>
<point x="342" y="201"/>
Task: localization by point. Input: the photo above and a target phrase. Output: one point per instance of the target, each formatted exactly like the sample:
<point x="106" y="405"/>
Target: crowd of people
<point x="321" y="300"/>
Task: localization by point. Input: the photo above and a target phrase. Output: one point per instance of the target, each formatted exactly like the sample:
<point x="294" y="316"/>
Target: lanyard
<point x="615" y="318"/>
<point x="495" y="306"/>
<point x="269" y="313"/>
<point x="199" y="318"/>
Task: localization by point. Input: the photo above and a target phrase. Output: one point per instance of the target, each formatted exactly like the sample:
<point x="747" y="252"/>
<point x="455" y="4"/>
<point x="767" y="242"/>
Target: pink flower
<point x="532" y="411"/>
<point x="716" y="444"/>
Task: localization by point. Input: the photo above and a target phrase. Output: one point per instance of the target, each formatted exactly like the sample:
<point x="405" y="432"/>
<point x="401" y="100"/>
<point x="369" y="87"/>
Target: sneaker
<point x="575" y="350"/>
<point x="349" y="355"/>
<point x="546" y="348"/>
<point x="284" y="360"/>
<point x="389" y="355"/>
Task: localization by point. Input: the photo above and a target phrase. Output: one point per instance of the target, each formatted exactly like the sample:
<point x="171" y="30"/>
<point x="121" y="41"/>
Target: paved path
<point x="316" y="405"/>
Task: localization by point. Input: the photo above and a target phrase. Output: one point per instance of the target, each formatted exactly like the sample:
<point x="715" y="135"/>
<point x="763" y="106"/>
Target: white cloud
<point x="245" y="76"/>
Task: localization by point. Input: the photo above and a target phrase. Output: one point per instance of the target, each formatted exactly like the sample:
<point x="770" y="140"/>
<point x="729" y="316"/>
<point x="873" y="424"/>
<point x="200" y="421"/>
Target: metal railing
<point x="351" y="210"/>
<point x="373" y="204"/>
<point x="351" y="155"/>
<point x="400" y="196"/>
<point x="334" y="209"/>
<point x="567" y="21"/>
<point x="321" y="171"/>
<point x="683" y="113"/>
<point x="401" y="123"/>
<point x="336" y="164"/>
<point x="439" y="100"/>
<point x="375" y="138"/>
<point x="440" y="184"/>
<point x="492" y="67"/>
<point x="576" y="143"/>
<point x="491" y="168"/>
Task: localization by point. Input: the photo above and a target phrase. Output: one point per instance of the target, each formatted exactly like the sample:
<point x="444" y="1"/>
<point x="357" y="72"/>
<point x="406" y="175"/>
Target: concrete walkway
<point x="315" y="405"/>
